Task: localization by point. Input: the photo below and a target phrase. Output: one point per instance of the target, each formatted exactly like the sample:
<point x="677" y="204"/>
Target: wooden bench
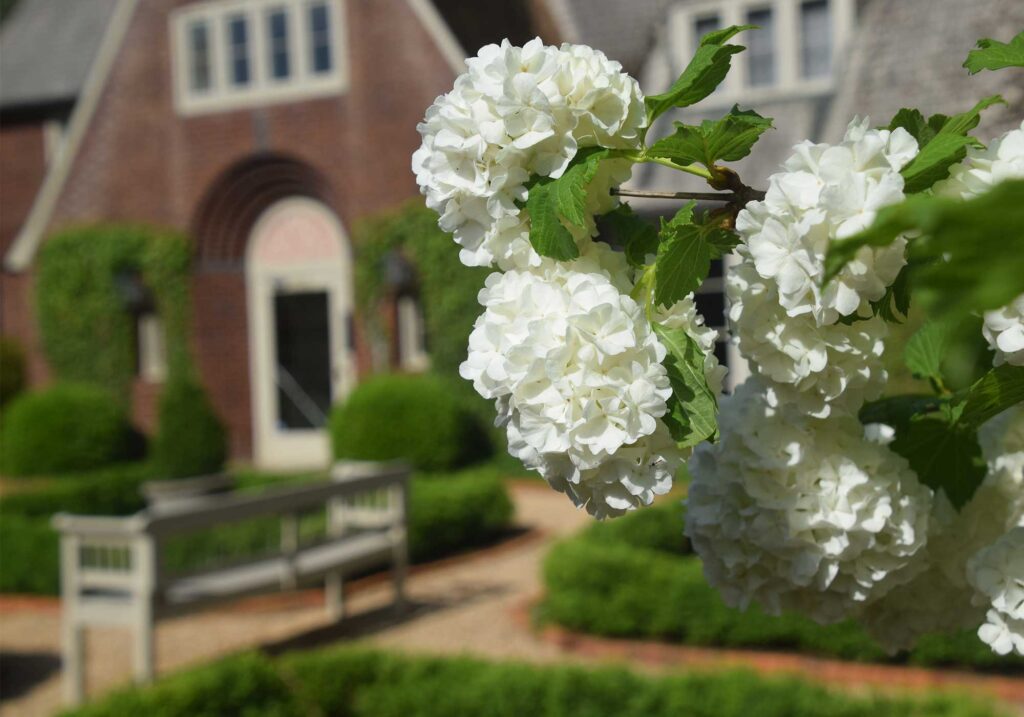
<point x="112" y="571"/>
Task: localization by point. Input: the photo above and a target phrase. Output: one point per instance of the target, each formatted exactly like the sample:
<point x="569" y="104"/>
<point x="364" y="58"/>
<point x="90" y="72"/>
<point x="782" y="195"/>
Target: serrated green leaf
<point x="707" y="69"/>
<point x="684" y="260"/>
<point x="944" y="455"/>
<point x="896" y="411"/>
<point x="548" y="235"/>
<point x="926" y="349"/>
<point x="947" y="147"/>
<point x="999" y="389"/>
<point x="570" y="190"/>
<point x="969" y="255"/>
<point x="639" y="238"/>
<point x="682" y="217"/>
<point x="693" y="408"/>
<point x="995" y="55"/>
<point x="728" y="139"/>
<point x="915" y="123"/>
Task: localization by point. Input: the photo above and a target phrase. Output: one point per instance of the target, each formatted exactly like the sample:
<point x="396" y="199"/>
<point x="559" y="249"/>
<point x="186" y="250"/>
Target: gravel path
<point x="477" y="603"/>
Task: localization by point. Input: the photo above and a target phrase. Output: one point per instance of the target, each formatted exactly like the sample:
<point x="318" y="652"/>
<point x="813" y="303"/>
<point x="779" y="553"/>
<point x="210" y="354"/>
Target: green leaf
<point x="945" y="455"/>
<point x="896" y="299"/>
<point x="639" y="238"/>
<point x="693" y="408"/>
<point x="548" y="235"/>
<point x="896" y="411"/>
<point x="995" y="55"/>
<point x="570" y="189"/>
<point x="729" y="139"/>
<point x="684" y="260"/>
<point x="969" y="256"/>
<point x="926" y="349"/>
<point x="914" y="122"/>
<point x="556" y="204"/>
<point x="947" y="147"/>
<point x="707" y="69"/>
<point x="996" y="391"/>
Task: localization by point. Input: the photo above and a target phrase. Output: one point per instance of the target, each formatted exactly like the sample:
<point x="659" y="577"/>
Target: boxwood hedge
<point x="357" y="682"/>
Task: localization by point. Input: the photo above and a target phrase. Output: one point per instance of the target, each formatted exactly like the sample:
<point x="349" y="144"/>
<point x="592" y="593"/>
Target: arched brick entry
<point x="229" y="209"/>
<point x="223" y="223"/>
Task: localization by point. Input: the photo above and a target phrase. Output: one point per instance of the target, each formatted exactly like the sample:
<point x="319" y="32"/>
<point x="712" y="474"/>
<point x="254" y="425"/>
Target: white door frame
<point x="321" y="267"/>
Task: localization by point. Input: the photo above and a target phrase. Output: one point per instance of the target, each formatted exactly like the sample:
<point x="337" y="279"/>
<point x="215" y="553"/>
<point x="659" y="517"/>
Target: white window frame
<point x="302" y="82"/>
<point x="789" y="82"/>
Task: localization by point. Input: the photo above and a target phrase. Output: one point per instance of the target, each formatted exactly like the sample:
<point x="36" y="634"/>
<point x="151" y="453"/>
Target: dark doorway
<point x="303" y="359"/>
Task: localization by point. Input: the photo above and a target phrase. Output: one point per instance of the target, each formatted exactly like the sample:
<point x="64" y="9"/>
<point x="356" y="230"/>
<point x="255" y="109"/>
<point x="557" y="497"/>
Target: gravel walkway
<point x="477" y="603"/>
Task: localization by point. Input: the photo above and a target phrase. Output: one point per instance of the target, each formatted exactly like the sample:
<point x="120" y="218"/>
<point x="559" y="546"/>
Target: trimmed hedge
<point x="12" y="369"/>
<point x="357" y="682"/>
<point x="447" y="513"/>
<point x="423" y="419"/>
<point x="67" y="427"/>
<point x="633" y="578"/>
<point x="190" y="439"/>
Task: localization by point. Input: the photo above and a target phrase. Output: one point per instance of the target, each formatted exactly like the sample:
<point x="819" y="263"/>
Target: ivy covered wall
<point x="447" y="289"/>
<point x="87" y="331"/>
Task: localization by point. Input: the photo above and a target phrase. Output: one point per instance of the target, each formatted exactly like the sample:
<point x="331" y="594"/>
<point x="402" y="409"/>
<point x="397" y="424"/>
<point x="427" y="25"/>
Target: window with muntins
<point x="815" y="39"/>
<point x="760" y="48"/>
<point x="230" y="54"/>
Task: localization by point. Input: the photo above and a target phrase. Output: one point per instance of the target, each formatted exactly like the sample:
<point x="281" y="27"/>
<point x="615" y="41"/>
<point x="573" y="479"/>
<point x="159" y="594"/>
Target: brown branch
<point x="728" y="197"/>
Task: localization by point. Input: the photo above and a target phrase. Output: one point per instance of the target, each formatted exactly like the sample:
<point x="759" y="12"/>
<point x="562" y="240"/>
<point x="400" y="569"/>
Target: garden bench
<point x="112" y="571"/>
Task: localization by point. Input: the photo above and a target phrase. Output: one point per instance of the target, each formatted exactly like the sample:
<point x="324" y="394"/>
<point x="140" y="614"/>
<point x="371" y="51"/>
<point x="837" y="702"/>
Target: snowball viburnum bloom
<point x="796" y="513"/>
<point x="828" y="192"/>
<point x="516" y="112"/>
<point x="997" y="574"/>
<point x="817" y="368"/>
<point x="1004" y="331"/>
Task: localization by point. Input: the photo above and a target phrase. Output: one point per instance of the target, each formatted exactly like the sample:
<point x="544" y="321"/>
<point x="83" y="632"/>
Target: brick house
<point x="263" y="129"/>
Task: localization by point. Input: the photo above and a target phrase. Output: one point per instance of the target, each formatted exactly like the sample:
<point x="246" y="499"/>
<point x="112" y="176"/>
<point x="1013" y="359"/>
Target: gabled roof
<point x="47" y="48"/>
<point x="625" y="31"/>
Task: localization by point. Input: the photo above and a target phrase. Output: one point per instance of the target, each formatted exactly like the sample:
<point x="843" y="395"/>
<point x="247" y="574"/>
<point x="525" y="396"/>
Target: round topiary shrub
<point x="12" y="369"/>
<point x="67" y="427"/>
<point x="190" y="439"/>
<point x="422" y="419"/>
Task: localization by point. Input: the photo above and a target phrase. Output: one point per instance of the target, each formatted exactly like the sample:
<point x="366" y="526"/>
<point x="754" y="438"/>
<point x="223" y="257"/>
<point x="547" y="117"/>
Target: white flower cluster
<point x="797" y="513"/>
<point x="577" y="376"/>
<point x="569" y="358"/>
<point x="798" y="507"/>
<point x="784" y="322"/>
<point x="997" y="574"/>
<point x="516" y="112"/>
<point x="982" y="170"/>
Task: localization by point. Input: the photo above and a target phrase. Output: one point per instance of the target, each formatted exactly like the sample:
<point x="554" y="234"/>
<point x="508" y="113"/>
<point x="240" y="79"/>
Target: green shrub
<point x="67" y="427"/>
<point x="112" y="490"/>
<point x="354" y="682"/>
<point x="421" y="419"/>
<point x="604" y="587"/>
<point x="29" y="560"/>
<point x="12" y="369"/>
<point x="450" y="513"/>
<point x="190" y="439"/>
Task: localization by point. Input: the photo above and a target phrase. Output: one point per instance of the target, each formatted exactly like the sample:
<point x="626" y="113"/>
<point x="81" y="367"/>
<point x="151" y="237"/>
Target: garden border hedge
<point x="632" y="578"/>
<point x="358" y="682"/>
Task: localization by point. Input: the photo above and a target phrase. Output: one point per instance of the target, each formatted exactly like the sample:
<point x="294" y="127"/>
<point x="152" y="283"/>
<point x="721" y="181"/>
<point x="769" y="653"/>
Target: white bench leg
<point x="144" y="636"/>
<point x="400" y="556"/>
<point x="334" y="596"/>
<point x="74" y="661"/>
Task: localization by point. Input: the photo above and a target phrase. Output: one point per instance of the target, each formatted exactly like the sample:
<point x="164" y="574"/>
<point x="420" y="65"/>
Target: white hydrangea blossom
<point x="577" y="375"/>
<point x="815" y="367"/>
<point x="997" y="574"/>
<point x="519" y="111"/>
<point x="982" y="169"/>
<point x="828" y="192"/>
<point x="796" y="513"/>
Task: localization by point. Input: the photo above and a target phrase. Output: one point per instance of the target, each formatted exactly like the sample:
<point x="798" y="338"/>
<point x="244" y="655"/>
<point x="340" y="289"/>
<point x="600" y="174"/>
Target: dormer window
<point x="230" y="54"/>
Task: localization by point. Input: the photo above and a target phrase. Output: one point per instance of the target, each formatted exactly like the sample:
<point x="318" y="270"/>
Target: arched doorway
<point x="298" y="269"/>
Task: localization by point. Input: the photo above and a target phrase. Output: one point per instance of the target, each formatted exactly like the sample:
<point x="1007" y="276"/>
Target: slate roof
<point x="47" y="48"/>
